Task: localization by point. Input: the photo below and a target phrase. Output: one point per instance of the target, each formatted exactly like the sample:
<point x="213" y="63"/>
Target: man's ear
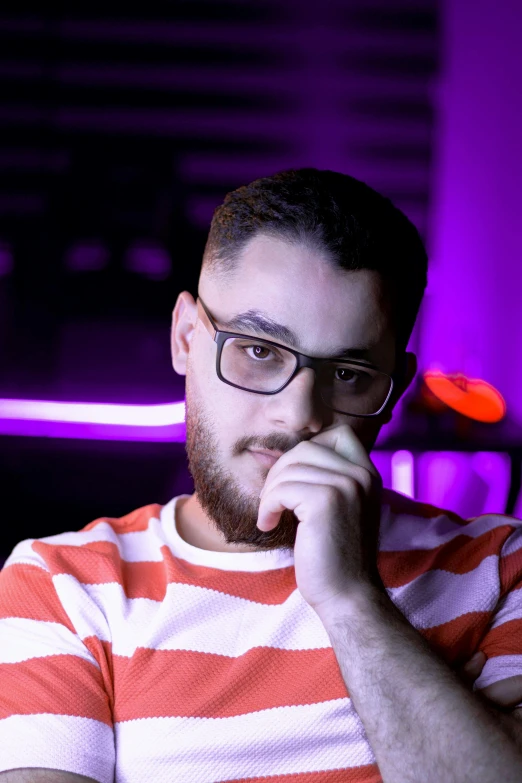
<point x="184" y="317"/>
<point x="400" y="388"/>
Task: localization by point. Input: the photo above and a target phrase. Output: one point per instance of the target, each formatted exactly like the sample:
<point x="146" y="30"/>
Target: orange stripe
<point x="457" y="640"/>
<point x="28" y="591"/>
<point x="133" y="522"/>
<point x="458" y="556"/>
<point x="102" y="652"/>
<point x="166" y="683"/>
<point x="367" y="774"/>
<point x="100" y="563"/>
<point x="57" y="684"/>
<point x="505" y="639"/>
<point x="510" y="572"/>
<point x="181" y="683"/>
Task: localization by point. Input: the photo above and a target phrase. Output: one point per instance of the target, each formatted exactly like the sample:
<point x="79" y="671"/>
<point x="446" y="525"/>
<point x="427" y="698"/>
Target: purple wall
<point x="471" y="317"/>
<point x="122" y="130"/>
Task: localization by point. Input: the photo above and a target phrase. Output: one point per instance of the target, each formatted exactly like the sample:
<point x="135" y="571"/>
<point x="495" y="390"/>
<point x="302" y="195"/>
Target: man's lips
<point x="266" y="457"/>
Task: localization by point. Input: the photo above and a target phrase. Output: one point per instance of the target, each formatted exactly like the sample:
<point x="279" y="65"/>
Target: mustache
<point x="275" y="442"/>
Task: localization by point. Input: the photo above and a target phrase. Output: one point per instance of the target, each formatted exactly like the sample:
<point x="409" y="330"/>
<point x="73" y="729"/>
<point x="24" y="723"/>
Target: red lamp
<point x="472" y="397"/>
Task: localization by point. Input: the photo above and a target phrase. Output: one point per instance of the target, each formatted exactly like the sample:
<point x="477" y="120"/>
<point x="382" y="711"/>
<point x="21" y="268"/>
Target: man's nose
<point x="299" y="406"/>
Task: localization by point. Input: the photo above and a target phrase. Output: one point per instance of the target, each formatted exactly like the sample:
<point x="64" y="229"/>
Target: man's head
<point x="335" y="264"/>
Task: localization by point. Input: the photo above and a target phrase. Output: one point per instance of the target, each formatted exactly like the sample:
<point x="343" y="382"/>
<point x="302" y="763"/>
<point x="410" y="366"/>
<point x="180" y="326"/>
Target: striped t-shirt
<point x="128" y="655"/>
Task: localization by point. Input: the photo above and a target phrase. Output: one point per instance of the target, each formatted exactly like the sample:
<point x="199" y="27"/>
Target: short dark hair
<point x="356" y="226"/>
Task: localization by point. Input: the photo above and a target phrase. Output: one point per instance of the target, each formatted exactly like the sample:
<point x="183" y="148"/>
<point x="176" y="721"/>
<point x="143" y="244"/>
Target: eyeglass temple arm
<point x="205" y="319"/>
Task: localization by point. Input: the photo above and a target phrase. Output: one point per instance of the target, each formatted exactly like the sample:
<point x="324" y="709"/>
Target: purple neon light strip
<point x="165" y="422"/>
<point x="105" y="421"/>
<point x="96" y="421"/>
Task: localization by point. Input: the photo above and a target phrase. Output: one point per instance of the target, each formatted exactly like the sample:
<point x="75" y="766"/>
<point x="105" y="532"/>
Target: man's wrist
<point x="358" y="602"/>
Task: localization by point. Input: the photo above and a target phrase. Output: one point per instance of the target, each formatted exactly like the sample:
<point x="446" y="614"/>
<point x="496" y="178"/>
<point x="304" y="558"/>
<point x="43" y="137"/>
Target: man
<point x="291" y="617"/>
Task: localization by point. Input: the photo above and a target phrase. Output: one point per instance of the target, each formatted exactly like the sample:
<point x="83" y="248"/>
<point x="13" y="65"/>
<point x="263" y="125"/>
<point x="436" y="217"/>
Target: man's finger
<point x="505" y="693"/>
<point x="472" y="668"/>
<point x="475" y="663"/>
<point x="344" y="441"/>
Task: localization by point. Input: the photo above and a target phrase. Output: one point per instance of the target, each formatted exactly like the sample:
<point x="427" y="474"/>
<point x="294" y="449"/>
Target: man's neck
<point x="195" y="528"/>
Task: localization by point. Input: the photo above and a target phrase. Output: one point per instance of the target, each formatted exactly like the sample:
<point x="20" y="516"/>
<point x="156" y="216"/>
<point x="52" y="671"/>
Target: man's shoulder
<point x="403" y="505"/>
<point x="399" y="504"/>
<point x="104" y="535"/>
<point x="456" y="580"/>
<point x="412" y="524"/>
<point x="133" y="522"/>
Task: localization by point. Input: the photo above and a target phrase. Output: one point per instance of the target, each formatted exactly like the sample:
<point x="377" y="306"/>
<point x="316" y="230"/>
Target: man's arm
<point x="511" y="722"/>
<point x="500" y="697"/>
<point x="421" y="721"/>
<point x="39" y="775"/>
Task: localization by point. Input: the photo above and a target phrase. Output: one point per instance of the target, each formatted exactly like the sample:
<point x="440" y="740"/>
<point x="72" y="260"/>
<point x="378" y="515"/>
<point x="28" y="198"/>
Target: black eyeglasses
<point x="265" y="367"/>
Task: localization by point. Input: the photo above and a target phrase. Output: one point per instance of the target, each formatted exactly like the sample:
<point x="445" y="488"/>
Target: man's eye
<point x="349" y="376"/>
<point x="258" y="351"/>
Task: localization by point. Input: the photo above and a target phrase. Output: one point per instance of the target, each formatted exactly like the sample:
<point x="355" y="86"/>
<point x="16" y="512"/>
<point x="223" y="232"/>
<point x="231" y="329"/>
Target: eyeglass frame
<point x="220" y="337"/>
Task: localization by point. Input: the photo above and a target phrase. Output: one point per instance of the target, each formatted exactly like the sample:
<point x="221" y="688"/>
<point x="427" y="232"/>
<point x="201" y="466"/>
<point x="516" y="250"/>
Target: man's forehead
<point x="258" y="322"/>
<point x="324" y="328"/>
<point x="301" y="297"/>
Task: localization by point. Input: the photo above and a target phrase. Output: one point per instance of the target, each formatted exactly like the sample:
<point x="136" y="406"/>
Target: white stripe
<point x="499" y="668"/>
<point x="510" y="608"/>
<point x="35" y="561"/>
<point x="171" y="624"/>
<point x="432" y="599"/>
<point x="253" y="562"/>
<point x="22" y="639"/>
<point x="23" y="553"/>
<point x="87" y="614"/>
<point x="134" y="547"/>
<point x="399" y="532"/>
<point x="284" y="740"/>
<point x="437" y="597"/>
<point x="514" y="542"/>
<point x="64" y="742"/>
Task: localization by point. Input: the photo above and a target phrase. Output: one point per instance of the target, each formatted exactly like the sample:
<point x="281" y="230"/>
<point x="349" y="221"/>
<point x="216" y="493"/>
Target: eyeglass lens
<point x="258" y="366"/>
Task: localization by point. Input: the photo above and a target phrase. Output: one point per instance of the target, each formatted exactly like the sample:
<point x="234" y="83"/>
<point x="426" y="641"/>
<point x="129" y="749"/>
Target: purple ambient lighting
<point x="6" y="259"/>
<point x="148" y="259"/>
<point x="88" y="256"/>
<point x="97" y="421"/>
<point x="469" y="483"/>
<point x="403" y="471"/>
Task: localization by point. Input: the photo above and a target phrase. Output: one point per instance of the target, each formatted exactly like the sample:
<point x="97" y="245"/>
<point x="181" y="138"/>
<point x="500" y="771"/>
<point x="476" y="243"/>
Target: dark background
<point x="121" y="129"/>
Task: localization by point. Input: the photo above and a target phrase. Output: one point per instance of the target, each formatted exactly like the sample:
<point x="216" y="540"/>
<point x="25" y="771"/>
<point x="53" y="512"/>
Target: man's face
<point x="328" y="310"/>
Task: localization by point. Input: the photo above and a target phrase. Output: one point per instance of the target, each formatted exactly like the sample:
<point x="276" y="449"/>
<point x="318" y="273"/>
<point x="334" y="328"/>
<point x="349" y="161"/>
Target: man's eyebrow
<point x="260" y="323"/>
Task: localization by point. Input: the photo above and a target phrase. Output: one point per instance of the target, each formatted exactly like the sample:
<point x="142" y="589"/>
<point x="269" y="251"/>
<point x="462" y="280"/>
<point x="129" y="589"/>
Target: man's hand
<point x="503" y="694"/>
<point x="472" y="669"/>
<point x="334" y="489"/>
<point x="40" y="775"/>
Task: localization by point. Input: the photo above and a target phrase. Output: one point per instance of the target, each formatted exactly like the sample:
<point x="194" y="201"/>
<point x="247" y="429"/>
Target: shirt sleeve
<point x="502" y="642"/>
<point x="55" y="688"/>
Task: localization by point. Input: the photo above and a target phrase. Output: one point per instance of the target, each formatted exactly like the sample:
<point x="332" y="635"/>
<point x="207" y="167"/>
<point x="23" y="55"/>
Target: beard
<point x="230" y="507"/>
